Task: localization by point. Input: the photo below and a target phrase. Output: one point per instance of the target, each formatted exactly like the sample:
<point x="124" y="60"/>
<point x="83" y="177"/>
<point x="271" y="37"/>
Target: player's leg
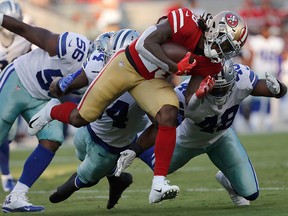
<point x="237" y="174"/>
<point x="180" y="157"/>
<point x="12" y="102"/>
<point x="97" y="162"/>
<point x="113" y="81"/>
<point x="160" y="101"/>
<point x="50" y="138"/>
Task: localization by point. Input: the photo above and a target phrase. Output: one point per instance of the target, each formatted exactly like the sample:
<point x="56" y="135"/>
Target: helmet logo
<point x="231" y="20"/>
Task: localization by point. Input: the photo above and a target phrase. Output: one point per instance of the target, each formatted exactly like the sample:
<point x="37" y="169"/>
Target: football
<point x="175" y="52"/>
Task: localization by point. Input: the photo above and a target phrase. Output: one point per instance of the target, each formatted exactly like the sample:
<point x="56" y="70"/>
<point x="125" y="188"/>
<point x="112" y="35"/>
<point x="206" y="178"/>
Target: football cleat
<point x="42" y="118"/>
<point x="117" y="186"/>
<point x="18" y="202"/>
<point x="64" y="191"/>
<point x="162" y="191"/>
<point x="236" y="199"/>
<point x="8" y="183"/>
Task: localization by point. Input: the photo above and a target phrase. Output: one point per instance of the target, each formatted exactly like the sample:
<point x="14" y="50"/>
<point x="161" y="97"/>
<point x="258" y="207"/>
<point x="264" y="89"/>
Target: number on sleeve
<point x="79" y="52"/>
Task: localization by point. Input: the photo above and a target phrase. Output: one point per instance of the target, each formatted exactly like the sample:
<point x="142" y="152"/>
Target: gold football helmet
<point x="225" y="36"/>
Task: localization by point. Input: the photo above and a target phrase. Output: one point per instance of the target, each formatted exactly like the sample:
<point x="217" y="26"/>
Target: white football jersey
<point x="266" y="54"/>
<point x="18" y="47"/>
<point x="36" y="69"/>
<point x="209" y="122"/>
<point x="120" y="122"/>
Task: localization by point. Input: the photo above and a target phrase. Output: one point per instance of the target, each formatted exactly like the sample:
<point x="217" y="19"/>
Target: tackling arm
<point x="149" y="46"/>
<point x="41" y="37"/>
<point x="269" y="87"/>
<point x="65" y="85"/>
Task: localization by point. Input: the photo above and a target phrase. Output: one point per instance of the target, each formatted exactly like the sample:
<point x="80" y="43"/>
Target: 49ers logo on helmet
<point x="231" y="20"/>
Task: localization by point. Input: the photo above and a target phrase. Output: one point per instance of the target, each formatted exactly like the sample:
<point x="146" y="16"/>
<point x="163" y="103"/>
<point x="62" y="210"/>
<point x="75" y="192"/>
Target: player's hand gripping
<point x="125" y="160"/>
<point x="272" y="84"/>
<point x="205" y="87"/>
<point x="184" y="66"/>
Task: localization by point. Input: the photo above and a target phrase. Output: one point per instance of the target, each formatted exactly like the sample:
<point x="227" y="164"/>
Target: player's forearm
<point x="151" y="50"/>
<point x="73" y="82"/>
<point x="35" y="35"/>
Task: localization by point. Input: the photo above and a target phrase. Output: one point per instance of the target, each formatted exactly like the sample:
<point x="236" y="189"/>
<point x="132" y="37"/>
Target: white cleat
<point x="18" y="202"/>
<point x="162" y="191"/>
<point x="236" y="199"/>
<point x="42" y="118"/>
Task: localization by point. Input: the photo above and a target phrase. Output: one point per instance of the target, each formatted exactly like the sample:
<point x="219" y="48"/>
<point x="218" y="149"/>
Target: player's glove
<point x="184" y="65"/>
<point x="125" y="160"/>
<point x="205" y="87"/>
<point x="272" y="84"/>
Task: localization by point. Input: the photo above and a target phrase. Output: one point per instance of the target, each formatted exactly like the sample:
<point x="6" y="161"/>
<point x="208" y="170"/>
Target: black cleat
<point x="117" y="185"/>
<point x="64" y="191"/>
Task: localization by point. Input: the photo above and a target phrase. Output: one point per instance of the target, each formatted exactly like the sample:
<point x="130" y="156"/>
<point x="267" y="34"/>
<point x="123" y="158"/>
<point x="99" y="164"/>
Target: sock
<point x="62" y="111"/>
<point x="148" y="157"/>
<point x="164" y="147"/>
<point x="20" y="188"/>
<point x="35" y="165"/>
<point x="80" y="184"/>
<point x="158" y="179"/>
<point x="4" y="157"/>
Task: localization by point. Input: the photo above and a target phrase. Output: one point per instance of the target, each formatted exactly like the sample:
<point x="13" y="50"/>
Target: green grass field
<point x="200" y="193"/>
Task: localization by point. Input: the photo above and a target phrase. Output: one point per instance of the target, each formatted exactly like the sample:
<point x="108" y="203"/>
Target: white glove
<point x="272" y="84"/>
<point x="125" y="160"/>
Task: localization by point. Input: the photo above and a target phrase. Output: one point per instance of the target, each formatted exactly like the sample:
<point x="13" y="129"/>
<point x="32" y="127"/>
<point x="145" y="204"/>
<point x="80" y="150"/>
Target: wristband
<point x="1" y="18"/>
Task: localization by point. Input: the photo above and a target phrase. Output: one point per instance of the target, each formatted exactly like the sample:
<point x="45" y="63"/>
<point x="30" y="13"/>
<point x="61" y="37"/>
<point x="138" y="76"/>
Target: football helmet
<point x="225" y="36"/>
<point x="102" y="44"/>
<point x="121" y="39"/>
<point x="13" y="9"/>
<point x="224" y="82"/>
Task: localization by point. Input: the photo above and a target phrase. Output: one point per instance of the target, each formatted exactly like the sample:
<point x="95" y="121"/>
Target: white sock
<point x="158" y="179"/>
<point x="20" y="188"/>
<point x="6" y="177"/>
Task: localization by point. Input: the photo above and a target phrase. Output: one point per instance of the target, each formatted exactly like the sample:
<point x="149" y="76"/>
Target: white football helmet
<point x="224" y="82"/>
<point x="102" y="44"/>
<point x="225" y="36"/>
<point x="121" y="39"/>
<point x="13" y="9"/>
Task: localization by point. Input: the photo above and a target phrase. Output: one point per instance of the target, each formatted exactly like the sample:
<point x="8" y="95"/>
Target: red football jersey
<point x="205" y="67"/>
<point x="185" y="31"/>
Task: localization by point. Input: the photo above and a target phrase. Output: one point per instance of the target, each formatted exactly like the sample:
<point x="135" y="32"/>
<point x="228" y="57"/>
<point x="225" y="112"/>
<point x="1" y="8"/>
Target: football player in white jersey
<point x="11" y="47"/>
<point x="207" y="128"/>
<point x="98" y="144"/>
<point x="24" y="90"/>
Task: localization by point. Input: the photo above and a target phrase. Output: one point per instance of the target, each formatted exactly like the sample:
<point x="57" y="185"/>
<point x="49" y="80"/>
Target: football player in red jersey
<point x="140" y="69"/>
